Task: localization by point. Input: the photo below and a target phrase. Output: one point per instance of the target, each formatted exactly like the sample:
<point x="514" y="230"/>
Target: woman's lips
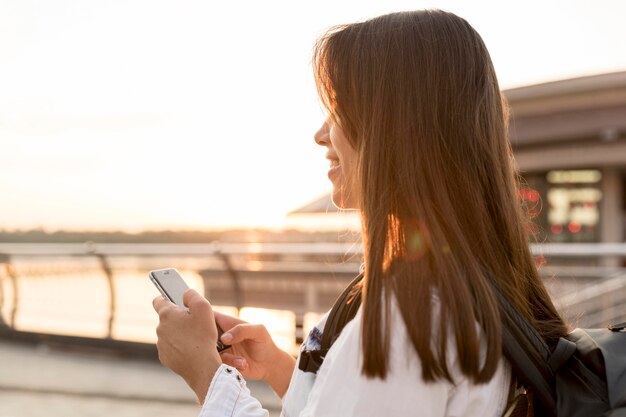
<point x="335" y="165"/>
<point x="334" y="170"/>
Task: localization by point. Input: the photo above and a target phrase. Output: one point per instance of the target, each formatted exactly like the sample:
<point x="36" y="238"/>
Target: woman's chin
<point x="342" y="202"/>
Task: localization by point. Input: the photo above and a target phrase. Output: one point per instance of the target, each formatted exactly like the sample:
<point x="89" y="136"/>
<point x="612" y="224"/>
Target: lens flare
<point x="417" y="240"/>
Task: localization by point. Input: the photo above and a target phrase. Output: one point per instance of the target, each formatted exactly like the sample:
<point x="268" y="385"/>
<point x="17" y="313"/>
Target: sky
<point x="148" y="114"/>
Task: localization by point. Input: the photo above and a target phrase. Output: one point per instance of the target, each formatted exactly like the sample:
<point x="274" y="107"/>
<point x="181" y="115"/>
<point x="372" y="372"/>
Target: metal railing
<point x="278" y="259"/>
<point x="312" y="253"/>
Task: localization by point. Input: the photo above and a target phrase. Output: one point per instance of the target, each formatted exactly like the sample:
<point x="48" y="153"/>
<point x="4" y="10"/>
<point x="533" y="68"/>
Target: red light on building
<point x="529" y="194"/>
<point x="556" y="229"/>
<point x="573" y="227"/>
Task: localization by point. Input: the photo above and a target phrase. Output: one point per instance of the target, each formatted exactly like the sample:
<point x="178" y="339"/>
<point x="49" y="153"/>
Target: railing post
<point x="234" y="276"/>
<point x="104" y="264"/>
<point x="4" y="260"/>
<point x="16" y="293"/>
<point x="2" y="321"/>
<point x="299" y="328"/>
<point x="10" y="270"/>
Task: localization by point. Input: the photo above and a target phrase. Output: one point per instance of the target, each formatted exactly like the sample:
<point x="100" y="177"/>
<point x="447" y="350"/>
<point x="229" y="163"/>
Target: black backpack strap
<point x="528" y="353"/>
<point x="344" y="310"/>
<point x="311" y="360"/>
<point x="563" y="351"/>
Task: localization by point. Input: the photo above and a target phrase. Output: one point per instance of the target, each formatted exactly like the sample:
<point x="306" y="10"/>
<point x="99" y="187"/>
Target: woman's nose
<point x="322" y="135"/>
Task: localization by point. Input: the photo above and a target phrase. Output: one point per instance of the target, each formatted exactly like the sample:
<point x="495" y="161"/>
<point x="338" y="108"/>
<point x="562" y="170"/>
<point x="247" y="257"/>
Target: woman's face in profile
<point x="342" y="159"/>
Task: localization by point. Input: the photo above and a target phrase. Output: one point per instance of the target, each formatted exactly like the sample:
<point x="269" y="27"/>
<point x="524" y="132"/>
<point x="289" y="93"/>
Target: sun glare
<point x="188" y="128"/>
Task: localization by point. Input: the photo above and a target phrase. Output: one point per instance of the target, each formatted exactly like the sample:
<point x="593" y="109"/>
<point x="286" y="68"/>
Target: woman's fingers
<point x="159" y="303"/>
<point x="241" y="332"/>
<point x="227" y="322"/>
<point x="237" y="361"/>
<point x="165" y="309"/>
<point x="196" y="303"/>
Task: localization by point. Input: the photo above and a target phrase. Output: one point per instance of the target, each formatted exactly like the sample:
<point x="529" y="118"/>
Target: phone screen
<point x="172" y="286"/>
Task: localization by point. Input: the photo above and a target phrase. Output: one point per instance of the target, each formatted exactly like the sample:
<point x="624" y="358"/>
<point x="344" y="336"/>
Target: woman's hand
<point x="254" y="353"/>
<point x="186" y="341"/>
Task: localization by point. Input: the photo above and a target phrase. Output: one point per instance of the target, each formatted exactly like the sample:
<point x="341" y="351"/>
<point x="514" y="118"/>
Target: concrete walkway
<point x="39" y="381"/>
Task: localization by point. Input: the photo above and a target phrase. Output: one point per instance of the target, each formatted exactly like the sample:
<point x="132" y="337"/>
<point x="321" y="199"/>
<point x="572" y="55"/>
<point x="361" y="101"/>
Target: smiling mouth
<point x="335" y="167"/>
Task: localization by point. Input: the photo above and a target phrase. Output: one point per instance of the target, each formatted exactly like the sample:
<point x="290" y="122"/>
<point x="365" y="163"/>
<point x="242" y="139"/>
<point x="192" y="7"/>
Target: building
<point x="569" y="140"/>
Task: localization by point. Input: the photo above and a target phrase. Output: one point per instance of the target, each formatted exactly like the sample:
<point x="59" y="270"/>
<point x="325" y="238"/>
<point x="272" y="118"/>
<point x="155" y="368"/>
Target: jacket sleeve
<point x="228" y="396"/>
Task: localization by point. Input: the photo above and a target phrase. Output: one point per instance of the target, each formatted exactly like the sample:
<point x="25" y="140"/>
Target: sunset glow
<point x="140" y="114"/>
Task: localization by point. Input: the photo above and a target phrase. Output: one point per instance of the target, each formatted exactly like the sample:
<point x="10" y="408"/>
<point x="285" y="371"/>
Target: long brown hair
<point x="418" y="98"/>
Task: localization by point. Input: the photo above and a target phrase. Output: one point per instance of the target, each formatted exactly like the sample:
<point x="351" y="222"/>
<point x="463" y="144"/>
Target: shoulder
<point x="341" y="388"/>
<point x="340" y="385"/>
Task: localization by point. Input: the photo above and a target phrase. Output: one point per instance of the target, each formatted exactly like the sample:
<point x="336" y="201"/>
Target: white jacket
<point x="339" y="389"/>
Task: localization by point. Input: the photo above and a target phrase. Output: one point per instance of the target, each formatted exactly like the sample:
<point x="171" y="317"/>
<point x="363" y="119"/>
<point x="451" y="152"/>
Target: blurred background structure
<point x="569" y="140"/>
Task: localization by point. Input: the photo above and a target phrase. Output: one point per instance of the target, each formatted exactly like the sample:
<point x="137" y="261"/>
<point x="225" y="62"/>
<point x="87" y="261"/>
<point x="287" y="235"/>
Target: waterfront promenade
<point x="39" y="380"/>
<point x="106" y="289"/>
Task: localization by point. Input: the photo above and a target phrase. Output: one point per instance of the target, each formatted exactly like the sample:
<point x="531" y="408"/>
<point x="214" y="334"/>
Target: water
<point x="71" y="296"/>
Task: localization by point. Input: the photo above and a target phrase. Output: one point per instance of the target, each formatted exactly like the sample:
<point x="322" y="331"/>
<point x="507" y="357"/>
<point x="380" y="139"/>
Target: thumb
<point x="197" y="304"/>
<point x="243" y="332"/>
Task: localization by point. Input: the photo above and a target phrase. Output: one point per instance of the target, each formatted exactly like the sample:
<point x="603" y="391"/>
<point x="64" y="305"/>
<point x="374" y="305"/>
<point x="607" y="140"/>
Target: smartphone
<point x="172" y="286"/>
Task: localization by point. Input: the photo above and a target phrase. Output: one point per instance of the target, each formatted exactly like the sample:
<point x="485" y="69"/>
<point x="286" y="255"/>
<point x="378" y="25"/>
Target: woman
<point x="417" y="141"/>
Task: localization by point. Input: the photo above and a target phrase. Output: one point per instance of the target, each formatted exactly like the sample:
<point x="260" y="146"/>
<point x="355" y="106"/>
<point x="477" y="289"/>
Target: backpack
<point x="344" y="310"/>
<point x="584" y="376"/>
